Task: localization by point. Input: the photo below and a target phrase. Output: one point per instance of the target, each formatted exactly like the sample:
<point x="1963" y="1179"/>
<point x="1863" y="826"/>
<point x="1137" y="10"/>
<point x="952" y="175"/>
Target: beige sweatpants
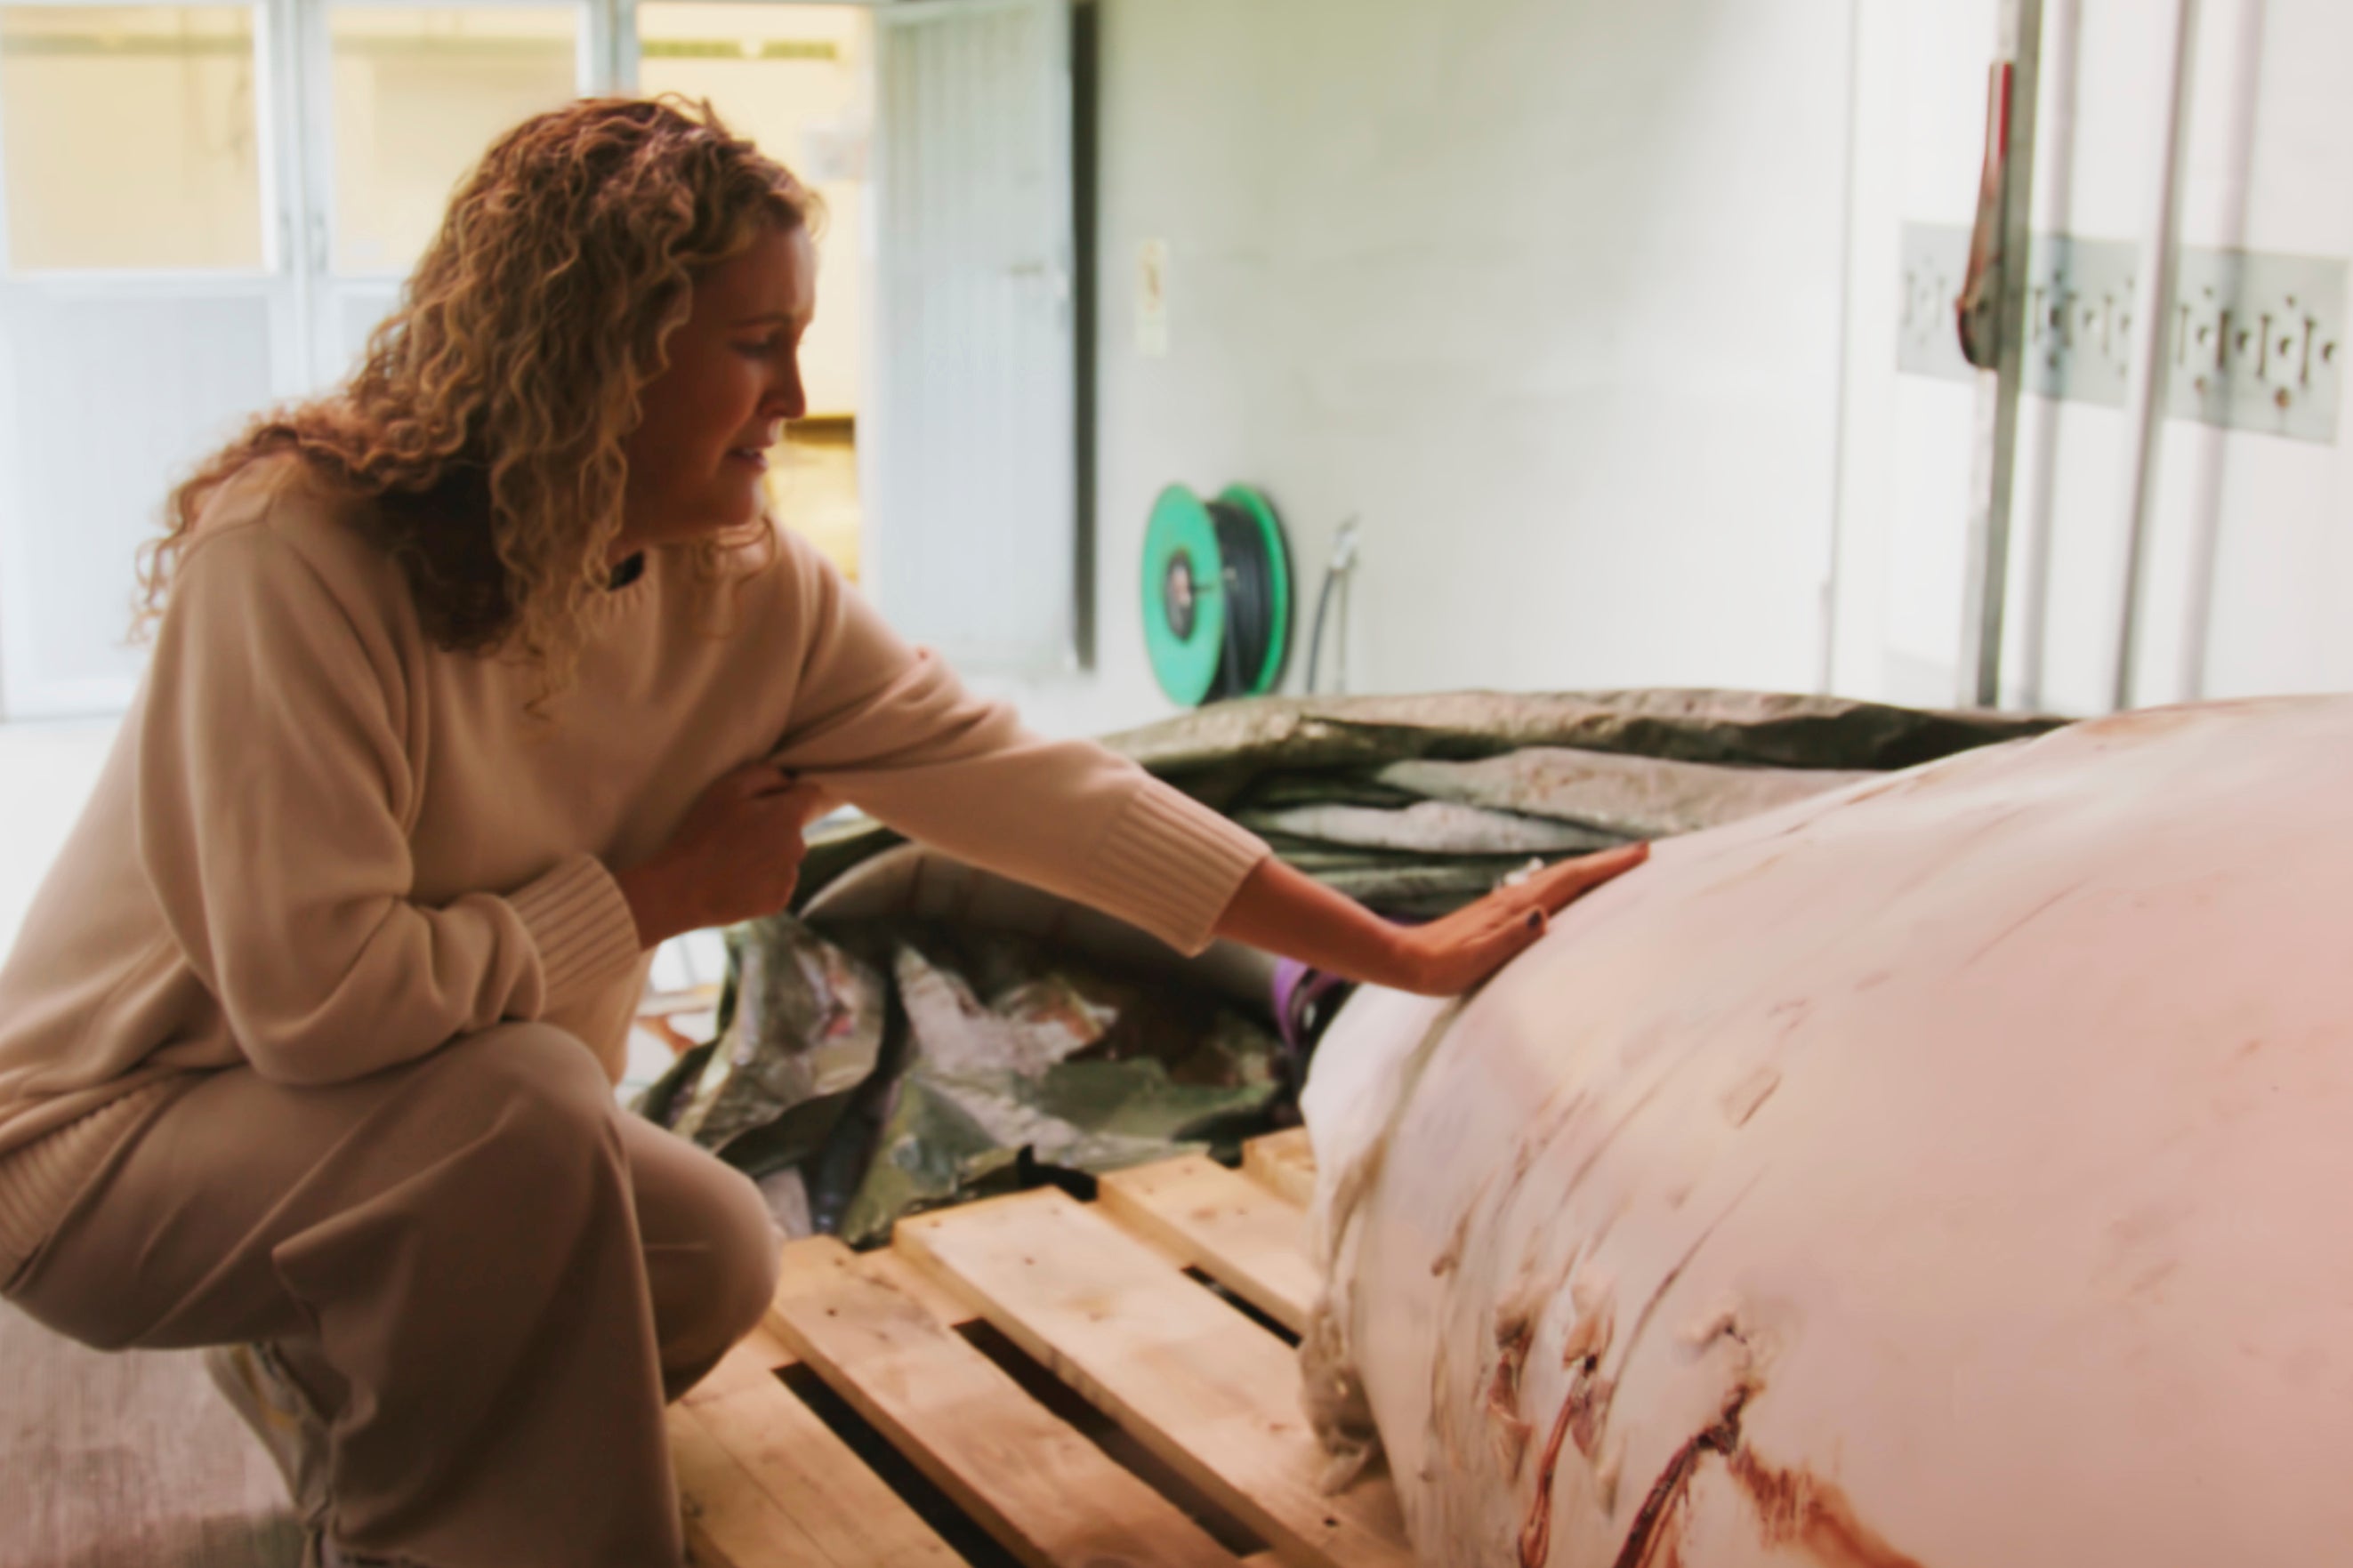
<point x="488" y="1276"/>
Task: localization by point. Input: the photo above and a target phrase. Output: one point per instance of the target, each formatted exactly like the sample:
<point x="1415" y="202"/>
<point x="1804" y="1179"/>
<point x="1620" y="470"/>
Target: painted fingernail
<point x="1536" y="919"/>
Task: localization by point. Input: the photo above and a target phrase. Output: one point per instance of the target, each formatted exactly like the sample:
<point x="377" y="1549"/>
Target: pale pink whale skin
<point x="1954" y="1170"/>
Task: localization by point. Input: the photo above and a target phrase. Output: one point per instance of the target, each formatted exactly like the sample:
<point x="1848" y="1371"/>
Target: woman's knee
<point x="536" y="1062"/>
<point x="763" y="1255"/>
<point x="745" y="1253"/>
<point x="531" y="1089"/>
<point x="712" y="1251"/>
<point x="540" y="1056"/>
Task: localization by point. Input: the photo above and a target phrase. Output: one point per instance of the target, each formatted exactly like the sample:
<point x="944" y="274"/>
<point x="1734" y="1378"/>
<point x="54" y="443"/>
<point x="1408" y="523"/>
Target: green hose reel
<point x="1216" y="594"/>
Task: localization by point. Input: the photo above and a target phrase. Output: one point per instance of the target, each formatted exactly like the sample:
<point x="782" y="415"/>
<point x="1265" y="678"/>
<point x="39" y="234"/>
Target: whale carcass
<point x="1948" y="1170"/>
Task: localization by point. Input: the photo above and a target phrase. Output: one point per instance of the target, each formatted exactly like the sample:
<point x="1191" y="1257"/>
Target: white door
<point x="144" y="308"/>
<point x="969" y="462"/>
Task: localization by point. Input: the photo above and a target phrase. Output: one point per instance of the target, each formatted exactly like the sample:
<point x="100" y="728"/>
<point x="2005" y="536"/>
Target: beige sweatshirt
<point x="323" y="846"/>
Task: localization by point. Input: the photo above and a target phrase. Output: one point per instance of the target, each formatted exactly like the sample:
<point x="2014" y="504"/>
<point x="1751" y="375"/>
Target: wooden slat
<point x="761" y="1348"/>
<point x="752" y="1458"/>
<point x="731" y="1520"/>
<point x="1231" y="1229"/>
<point x="1213" y="1394"/>
<point x="1285" y="1163"/>
<point x="1049" y="1495"/>
<point x="945" y="1306"/>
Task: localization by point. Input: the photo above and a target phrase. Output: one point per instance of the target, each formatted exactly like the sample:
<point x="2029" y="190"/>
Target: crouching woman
<point x="475" y="680"/>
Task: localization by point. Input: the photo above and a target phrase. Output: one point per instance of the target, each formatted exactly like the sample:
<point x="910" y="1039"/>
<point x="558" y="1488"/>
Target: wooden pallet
<point x="1007" y="1352"/>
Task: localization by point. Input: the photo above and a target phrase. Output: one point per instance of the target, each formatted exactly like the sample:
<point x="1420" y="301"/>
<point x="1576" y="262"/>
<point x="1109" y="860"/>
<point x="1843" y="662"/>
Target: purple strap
<point x="1297" y="988"/>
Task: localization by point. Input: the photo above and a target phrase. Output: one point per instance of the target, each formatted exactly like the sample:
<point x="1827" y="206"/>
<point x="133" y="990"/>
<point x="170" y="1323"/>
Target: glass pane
<point x="795" y="79"/>
<point x="131" y="136"/>
<point x="419" y="96"/>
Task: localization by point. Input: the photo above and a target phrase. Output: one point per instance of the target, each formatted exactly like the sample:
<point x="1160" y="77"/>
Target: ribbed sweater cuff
<point x="580" y="923"/>
<point x="1171" y="865"/>
<point x="37" y="1181"/>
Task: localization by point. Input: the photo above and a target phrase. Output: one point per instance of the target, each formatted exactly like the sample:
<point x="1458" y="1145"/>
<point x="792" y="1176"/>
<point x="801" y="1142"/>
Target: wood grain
<point x="1210" y="1393"/>
<point x="1229" y="1226"/>
<point x="1035" y="1483"/>
<point x="1285" y="1163"/>
<point x="752" y="1457"/>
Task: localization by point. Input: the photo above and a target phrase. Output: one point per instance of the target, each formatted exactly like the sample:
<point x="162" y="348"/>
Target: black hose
<point x="1249" y="600"/>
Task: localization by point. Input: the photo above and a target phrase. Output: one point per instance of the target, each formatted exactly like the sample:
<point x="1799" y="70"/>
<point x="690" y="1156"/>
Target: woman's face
<point x="733" y="378"/>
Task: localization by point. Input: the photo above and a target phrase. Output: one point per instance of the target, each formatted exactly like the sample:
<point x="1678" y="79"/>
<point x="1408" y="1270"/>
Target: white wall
<point x="2260" y="520"/>
<point x="1553" y="294"/>
<point x="1548" y="290"/>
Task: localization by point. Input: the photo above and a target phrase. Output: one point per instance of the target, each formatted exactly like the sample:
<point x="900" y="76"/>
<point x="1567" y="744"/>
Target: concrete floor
<point x="128" y="1461"/>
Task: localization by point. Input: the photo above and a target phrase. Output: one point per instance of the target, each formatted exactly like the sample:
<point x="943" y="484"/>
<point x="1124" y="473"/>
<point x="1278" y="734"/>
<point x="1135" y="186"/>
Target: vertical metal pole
<point x="2145" y="383"/>
<point x="1986" y="583"/>
<point x="1826" y="669"/>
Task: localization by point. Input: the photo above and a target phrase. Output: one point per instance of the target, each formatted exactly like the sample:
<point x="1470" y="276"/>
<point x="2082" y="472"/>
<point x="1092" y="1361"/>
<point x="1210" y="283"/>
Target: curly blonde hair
<point x="486" y="419"/>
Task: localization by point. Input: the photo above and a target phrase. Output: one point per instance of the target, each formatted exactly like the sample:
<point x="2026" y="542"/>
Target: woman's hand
<point x="735" y="857"/>
<point x="1452" y="955"/>
<point x="1281" y="911"/>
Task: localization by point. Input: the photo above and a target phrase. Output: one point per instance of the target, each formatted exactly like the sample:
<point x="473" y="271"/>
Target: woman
<point x="476" y="680"/>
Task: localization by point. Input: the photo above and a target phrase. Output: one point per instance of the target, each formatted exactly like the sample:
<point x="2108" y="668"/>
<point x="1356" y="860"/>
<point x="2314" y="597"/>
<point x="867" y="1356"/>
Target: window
<point x="131" y="138"/>
<point x="417" y="97"/>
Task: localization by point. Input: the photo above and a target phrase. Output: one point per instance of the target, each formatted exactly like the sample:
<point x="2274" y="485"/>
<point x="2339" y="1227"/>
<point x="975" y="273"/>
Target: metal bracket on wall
<point x="2257" y="338"/>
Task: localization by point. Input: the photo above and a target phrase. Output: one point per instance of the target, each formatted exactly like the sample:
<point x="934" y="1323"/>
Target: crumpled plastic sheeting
<point x="988" y="1081"/>
<point x="806" y="1023"/>
<point x="975" y="1057"/>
